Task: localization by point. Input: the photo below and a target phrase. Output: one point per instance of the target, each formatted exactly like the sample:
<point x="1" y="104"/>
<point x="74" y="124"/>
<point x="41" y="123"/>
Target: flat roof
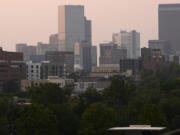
<point x="169" y="7"/>
<point x="137" y="127"/>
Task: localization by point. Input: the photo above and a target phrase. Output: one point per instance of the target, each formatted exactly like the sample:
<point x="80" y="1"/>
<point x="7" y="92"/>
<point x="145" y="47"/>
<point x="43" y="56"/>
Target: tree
<point x="4" y="125"/>
<point x="150" y="114"/>
<point x="67" y="121"/>
<point x="86" y="98"/>
<point x="90" y="96"/>
<point x="36" y="120"/>
<point x="97" y="119"/>
<point x="47" y="94"/>
<point x="118" y="94"/>
<point x="171" y="108"/>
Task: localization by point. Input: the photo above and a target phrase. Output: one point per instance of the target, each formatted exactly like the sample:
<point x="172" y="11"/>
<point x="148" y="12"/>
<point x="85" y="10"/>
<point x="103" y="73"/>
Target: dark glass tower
<point x="169" y="25"/>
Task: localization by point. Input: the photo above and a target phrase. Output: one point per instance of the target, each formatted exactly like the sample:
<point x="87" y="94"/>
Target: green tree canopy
<point x="36" y="120"/>
<point x="86" y="98"/>
<point x="67" y="121"/>
<point x="118" y="94"/>
<point x="48" y="94"/>
<point x="152" y="115"/>
<point x="97" y="119"/>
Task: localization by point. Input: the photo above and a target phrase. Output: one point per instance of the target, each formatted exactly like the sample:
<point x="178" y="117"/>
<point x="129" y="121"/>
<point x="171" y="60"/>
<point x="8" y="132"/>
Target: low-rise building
<point x="162" y="45"/>
<point x="62" y="82"/>
<point x="82" y="86"/>
<point x="99" y="83"/>
<point x="153" y="59"/>
<point x="133" y="65"/>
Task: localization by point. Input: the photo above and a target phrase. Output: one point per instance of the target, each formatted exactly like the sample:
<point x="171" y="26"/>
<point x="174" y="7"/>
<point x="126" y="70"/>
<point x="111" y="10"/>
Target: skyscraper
<point x="72" y="26"/>
<point x="94" y="57"/>
<point x="169" y="25"/>
<point x="130" y="41"/>
<point x="83" y="56"/>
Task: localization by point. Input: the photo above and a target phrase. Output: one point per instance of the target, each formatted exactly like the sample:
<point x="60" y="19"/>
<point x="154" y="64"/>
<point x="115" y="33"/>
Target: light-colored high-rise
<point x="72" y="26"/>
<point x="130" y="41"/>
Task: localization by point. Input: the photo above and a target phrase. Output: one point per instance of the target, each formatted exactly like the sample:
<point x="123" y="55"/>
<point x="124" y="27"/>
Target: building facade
<point x="164" y="46"/>
<point x="33" y="71"/>
<point x="110" y="54"/>
<point x="83" y="56"/>
<point x="26" y="50"/>
<point x="130" y="41"/>
<point x="63" y="59"/>
<point x="43" y="48"/>
<point x="53" y="39"/>
<point x="72" y="26"/>
<point x="62" y="82"/>
<point x="153" y="59"/>
<point x="133" y="65"/>
<point x="12" y="67"/>
<point x="169" y="25"/>
<point x="94" y="57"/>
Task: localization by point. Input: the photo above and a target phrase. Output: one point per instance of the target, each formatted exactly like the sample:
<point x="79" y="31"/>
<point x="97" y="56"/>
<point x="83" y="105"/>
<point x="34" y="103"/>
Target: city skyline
<point x="24" y="22"/>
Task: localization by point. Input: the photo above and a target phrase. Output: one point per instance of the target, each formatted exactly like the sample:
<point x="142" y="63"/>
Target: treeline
<point x="155" y="100"/>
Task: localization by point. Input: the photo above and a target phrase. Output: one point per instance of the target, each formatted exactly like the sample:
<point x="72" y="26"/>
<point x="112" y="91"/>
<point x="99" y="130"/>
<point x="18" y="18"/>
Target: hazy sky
<point x="31" y="21"/>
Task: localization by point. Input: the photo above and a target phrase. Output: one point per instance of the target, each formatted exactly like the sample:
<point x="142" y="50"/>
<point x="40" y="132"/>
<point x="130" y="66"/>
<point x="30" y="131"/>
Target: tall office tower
<point x="78" y="62"/>
<point x="72" y="26"/>
<point x="130" y="41"/>
<point x="88" y="31"/>
<point x="82" y="56"/>
<point x="94" y="57"/>
<point x="169" y="25"/>
<point x="26" y="50"/>
<point x="87" y="60"/>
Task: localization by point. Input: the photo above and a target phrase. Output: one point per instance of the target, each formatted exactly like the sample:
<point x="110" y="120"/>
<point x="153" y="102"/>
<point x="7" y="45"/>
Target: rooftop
<point x="169" y="7"/>
<point x="137" y="127"/>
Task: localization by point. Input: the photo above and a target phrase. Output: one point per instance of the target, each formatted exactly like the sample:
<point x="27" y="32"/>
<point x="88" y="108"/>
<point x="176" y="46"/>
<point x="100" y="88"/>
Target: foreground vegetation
<point x="154" y="100"/>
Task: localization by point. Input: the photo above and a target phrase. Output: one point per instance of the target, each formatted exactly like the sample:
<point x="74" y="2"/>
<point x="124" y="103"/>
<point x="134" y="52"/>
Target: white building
<point x="130" y="41"/>
<point x="33" y="71"/>
<point x="72" y="26"/>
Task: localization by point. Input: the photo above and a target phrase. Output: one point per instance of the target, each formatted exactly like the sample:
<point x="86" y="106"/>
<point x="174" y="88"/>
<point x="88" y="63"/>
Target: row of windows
<point x="34" y="66"/>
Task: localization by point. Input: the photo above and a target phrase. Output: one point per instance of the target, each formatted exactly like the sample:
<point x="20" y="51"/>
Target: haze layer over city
<point x="32" y="21"/>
